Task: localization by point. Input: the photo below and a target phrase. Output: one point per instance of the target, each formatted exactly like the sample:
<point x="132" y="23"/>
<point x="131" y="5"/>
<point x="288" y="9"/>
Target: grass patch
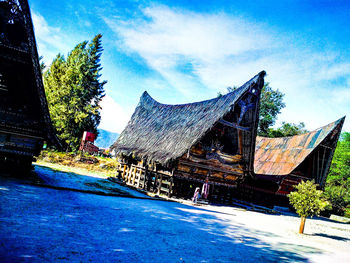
<point x="78" y="163"/>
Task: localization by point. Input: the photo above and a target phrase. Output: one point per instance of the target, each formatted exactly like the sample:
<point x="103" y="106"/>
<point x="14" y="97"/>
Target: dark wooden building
<point x="171" y="149"/>
<point x="24" y="117"/>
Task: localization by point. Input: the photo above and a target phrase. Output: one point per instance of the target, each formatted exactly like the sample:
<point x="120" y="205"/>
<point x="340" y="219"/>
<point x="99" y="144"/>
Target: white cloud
<point x="192" y="51"/>
<point x="50" y="40"/>
<point x="201" y="41"/>
<point x="113" y="117"/>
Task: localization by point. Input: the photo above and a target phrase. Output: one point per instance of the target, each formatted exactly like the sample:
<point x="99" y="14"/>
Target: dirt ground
<point x="43" y="224"/>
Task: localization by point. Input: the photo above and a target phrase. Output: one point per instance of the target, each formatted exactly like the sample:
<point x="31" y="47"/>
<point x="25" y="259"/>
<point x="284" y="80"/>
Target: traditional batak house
<point x="24" y="116"/>
<point x="172" y="149"/>
<point x="281" y="163"/>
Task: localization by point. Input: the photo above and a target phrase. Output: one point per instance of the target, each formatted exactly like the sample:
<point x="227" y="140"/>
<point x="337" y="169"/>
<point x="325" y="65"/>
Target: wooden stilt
<point x="130" y="174"/>
<point x="137" y="177"/>
<point x="123" y="175"/>
<point x="240" y="142"/>
<point x="160" y="183"/>
<point x="126" y="175"/>
<point x="133" y="176"/>
<point x="171" y="180"/>
<point x="145" y="178"/>
<point x="154" y="182"/>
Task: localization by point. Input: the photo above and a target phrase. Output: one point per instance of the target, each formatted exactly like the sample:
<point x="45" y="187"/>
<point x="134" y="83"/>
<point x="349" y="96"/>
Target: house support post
<point x="159" y="183"/>
<point x="145" y="178"/>
<point x="240" y="142"/>
<point x="134" y="176"/>
<point x="123" y="175"/>
<point x="137" y="176"/>
<point x="171" y="182"/>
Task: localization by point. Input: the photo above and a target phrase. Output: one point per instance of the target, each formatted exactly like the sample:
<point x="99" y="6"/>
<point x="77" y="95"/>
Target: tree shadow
<point x="330" y="236"/>
<point x="127" y="229"/>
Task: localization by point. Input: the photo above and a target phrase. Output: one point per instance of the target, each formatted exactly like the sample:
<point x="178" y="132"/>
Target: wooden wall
<point x="147" y="177"/>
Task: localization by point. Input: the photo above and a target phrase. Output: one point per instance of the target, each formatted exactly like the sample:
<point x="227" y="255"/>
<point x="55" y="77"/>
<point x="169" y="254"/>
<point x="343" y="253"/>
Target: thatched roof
<point x="280" y="156"/>
<point x="162" y="132"/>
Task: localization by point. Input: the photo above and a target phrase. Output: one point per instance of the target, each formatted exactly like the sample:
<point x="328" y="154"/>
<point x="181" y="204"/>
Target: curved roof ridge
<point x="147" y="97"/>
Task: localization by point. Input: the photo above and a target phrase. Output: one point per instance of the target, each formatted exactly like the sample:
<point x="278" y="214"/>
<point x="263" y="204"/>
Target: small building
<point x="87" y="143"/>
<point x="171" y="149"/>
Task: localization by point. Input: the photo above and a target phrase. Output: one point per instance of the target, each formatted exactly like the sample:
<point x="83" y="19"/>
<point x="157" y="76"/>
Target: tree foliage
<point x="271" y="103"/>
<point x="287" y="129"/>
<point x="307" y="200"/>
<point x="74" y="91"/>
<point x="338" y="181"/>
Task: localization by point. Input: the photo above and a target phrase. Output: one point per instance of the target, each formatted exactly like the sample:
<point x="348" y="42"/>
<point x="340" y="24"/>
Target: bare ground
<point x="40" y="224"/>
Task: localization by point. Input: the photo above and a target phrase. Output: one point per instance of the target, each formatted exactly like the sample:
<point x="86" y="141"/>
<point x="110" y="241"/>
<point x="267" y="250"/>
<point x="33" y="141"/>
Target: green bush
<point x="307" y="201"/>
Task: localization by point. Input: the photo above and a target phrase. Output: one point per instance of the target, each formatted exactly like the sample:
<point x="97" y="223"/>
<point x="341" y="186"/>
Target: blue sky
<point x="186" y="51"/>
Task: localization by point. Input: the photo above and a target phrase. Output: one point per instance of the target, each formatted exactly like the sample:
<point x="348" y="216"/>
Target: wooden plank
<point x="159" y="182"/>
<point x="137" y="177"/>
<point x="171" y="185"/>
<point x="164" y="189"/>
<point x="234" y="125"/>
<point x="123" y="175"/>
<point x="327" y="147"/>
<point x="323" y="162"/>
<point x="130" y="174"/>
<point x="134" y="176"/>
<point x="166" y="182"/>
<point x="212" y="168"/>
<point x="318" y="166"/>
<point x="240" y="142"/>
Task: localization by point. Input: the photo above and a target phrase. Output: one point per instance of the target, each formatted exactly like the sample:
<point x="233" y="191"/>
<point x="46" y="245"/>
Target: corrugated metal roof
<point x="280" y="156"/>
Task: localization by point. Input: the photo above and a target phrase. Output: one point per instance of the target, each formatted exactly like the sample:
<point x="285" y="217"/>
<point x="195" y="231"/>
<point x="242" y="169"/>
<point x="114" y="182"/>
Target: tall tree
<point x="74" y="91"/>
<point x="271" y="103"/>
<point x="338" y="181"/>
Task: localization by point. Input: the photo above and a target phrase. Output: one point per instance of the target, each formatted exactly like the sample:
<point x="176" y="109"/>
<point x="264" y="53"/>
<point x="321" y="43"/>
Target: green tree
<point x="287" y="129"/>
<point x="271" y="103"/>
<point x="338" y="181"/>
<point x="74" y="91"/>
<point x="307" y="201"/>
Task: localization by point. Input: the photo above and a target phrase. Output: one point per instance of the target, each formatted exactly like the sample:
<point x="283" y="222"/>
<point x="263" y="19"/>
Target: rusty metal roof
<point x="280" y="156"/>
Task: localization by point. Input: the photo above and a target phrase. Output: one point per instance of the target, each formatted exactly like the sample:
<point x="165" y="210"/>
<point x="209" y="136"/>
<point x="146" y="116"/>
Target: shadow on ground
<point x="43" y="224"/>
<point x="331" y="236"/>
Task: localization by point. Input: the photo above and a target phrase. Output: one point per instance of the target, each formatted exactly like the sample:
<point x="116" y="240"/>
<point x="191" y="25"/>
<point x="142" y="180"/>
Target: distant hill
<point x="105" y="138"/>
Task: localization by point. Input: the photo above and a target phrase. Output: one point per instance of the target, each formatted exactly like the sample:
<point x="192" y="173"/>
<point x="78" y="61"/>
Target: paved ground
<point x="39" y="224"/>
